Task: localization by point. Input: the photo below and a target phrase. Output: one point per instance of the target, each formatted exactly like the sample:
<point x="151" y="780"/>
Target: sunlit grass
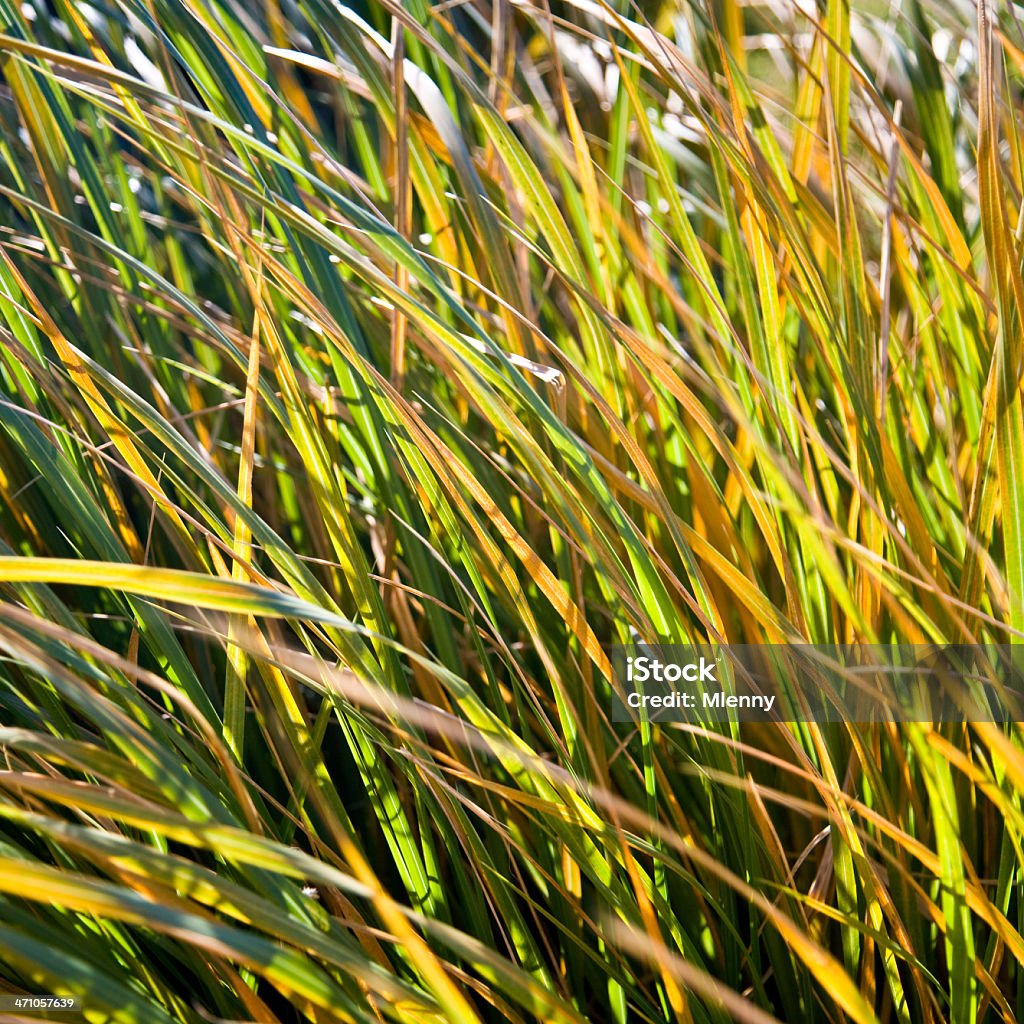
<point x="351" y="407"/>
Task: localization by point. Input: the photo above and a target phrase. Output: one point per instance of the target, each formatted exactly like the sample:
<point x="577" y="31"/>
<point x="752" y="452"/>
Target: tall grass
<point x="367" y="371"/>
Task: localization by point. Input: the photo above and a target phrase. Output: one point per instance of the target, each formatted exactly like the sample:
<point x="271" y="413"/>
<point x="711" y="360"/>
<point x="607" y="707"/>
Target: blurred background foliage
<point x="366" y="371"/>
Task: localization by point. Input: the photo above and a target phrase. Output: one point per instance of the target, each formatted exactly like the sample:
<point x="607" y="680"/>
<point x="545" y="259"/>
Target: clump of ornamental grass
<point x="366" y="372"/>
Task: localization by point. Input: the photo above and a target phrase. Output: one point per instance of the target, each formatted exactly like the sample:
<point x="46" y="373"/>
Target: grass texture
<point x="366" y="372"/>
